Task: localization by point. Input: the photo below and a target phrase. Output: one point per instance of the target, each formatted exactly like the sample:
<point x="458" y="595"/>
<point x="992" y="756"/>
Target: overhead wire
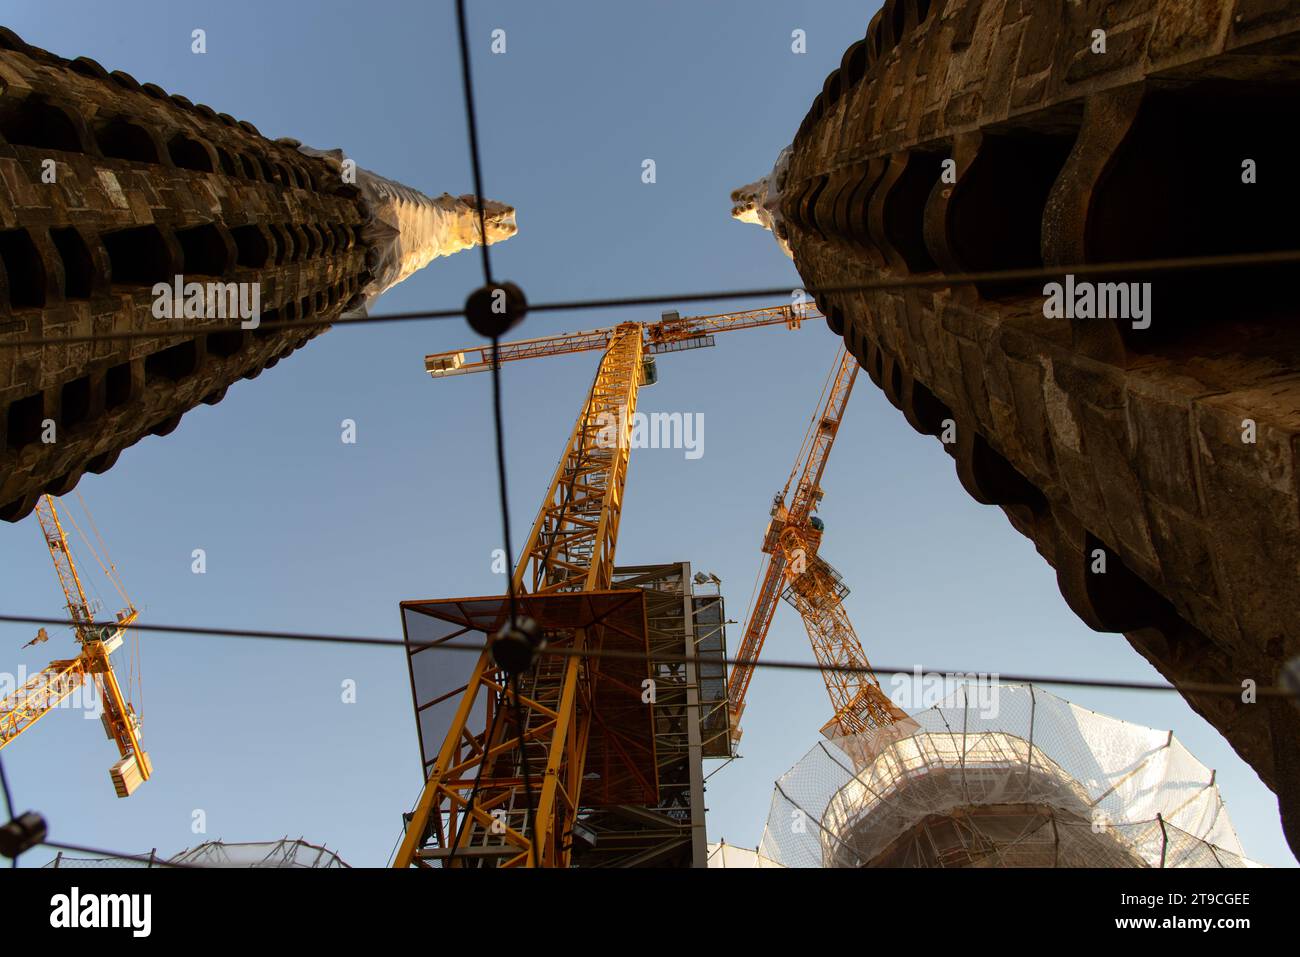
<point x="151" y="860"/>
<point x="614" y="654"/>
<point x="467" y="817"/>
<point x="498" y="425"/>
<point x="925" y="281"/>
<point x="530" y="822"/>
<point x="4" y="787"/>
<point x="471" y="121"/>
<point x="910" y="282"/>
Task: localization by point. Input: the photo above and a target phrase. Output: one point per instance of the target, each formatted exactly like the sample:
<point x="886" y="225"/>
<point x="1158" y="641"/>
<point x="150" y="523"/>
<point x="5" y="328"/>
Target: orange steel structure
<point x="43" y="692"/>
<point x="793" y="570"/>
<point x="579" y="733"/>
<point x="672" y="333"/>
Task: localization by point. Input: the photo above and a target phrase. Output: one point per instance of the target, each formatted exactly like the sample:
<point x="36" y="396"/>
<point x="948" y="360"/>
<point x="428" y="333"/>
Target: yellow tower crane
<point x="43" y="692"/>
<point x="794" y="570"/>
<point x="587" y="737"/>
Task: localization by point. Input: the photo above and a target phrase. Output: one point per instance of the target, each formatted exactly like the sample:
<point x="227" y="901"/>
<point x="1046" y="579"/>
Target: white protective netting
<point x="284" y="853"/>
<point x="1011" y="776"/>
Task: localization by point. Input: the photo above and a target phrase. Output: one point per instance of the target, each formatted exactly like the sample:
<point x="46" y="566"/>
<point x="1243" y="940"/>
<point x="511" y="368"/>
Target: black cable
<point x="466" y="818"/>
<point x="609" y="654"/>
<point x="248" y="633"/>
<point x="471" y="119"/>
<point x="100" y="852"/>
<point x="499" y="428"/>
<point x="4" y="786"/>
<point x="530" y="821"/>
<point x="277" y="324"/>
<point x="942" y="280"/>
<point x="9" y="803"/>
<point x="9" y="806"/>
<point x="497" y="418"/>
<point x="937" y="281"/>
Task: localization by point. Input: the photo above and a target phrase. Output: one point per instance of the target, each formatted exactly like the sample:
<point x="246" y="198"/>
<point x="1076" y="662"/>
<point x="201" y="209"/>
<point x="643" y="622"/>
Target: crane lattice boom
<point x="792" y="569"/>
<point x="672" y="333"/>
<point x="46" y="689"/>
<point x="472" y="809"/>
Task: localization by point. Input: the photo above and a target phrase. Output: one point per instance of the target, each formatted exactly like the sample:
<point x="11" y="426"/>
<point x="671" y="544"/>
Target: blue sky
<point x="305" y="533"/>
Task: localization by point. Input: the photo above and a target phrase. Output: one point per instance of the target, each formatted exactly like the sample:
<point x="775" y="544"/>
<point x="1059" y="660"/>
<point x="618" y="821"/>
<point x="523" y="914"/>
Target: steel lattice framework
<point x="857" y="702"/>
<point x="672" y="333"/>
<point x="794" y="570"/>
<point x="473" y="808"/>
<point x="570" y="548"/>
<point x="43" y="692"/>
<point x="571" y="545"/>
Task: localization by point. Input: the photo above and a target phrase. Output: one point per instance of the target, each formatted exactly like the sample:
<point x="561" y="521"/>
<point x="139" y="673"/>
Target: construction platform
<point x="642" y="799"/>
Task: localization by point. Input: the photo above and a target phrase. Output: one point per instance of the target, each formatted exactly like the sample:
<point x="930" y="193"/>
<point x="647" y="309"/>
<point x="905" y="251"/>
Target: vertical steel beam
<point x="699" y="834"/>
<point x="569" y="548"/>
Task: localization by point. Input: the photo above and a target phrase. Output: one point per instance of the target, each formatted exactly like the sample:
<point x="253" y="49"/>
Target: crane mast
<point x="476" y="786"/>
<point x="570" y="548"/>
<point x="571" y="544"/>
<point x="46" y="689"/>
<point x="793" y="570"/>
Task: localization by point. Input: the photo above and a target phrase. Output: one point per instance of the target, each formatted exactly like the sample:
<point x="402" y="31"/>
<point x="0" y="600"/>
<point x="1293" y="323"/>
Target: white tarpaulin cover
<point x="408" y="230"/>
<point x="759" y="202"/>
<point x="723" y="854"/>
<point x="1031" y="781"/>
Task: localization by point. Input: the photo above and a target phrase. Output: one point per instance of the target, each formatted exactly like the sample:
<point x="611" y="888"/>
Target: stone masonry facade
<point x="108" y="186"/>
<point x="987" y="135"/>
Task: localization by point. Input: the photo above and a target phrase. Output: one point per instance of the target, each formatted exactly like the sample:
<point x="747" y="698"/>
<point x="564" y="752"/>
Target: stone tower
<point x="1151" y="453"/>
<point x="110" y="187"/>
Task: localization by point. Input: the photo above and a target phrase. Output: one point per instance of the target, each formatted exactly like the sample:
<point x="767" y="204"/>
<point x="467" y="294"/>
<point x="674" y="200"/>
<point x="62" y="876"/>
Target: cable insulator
<point x="516" y="644"/>
<point x="494" y="310"/>
<point x="22" y="834"/>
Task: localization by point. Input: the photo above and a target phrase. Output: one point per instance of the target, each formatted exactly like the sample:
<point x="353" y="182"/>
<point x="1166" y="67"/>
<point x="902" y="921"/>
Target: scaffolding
<point x="643" y="791"/>
<point x="687" y="665"/>
<point x="1009" y="776"/>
